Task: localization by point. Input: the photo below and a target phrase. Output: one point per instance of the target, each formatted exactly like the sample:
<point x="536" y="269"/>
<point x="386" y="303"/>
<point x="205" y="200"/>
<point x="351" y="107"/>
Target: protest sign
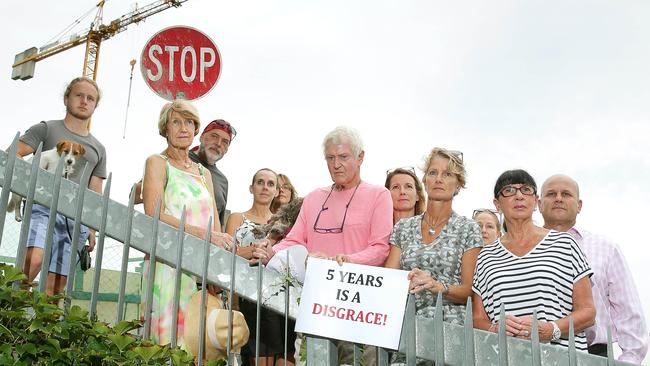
<point x="352" y="302"/>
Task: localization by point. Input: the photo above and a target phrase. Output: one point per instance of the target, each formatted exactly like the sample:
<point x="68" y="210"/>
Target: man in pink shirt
<point x="348" y="221"/>
<point x="615" y="297"/>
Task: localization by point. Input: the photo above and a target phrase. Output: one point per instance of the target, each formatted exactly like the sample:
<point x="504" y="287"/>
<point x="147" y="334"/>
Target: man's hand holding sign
<point x="352" y="302"/>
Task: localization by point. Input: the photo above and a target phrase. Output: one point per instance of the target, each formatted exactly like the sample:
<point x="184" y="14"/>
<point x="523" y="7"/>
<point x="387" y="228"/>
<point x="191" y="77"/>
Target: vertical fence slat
<point x="503" y="340"/>
<point x="128" y="226"/>
<point x="177" y="278"/>
<point x="409" y="331"/>
<point x="27" y="217"/>
<point x="382" y="357"/>
<point x="573" y="356"/>
<point x="535" y="350"/>
<point x="439" y="332"/>
<point x="6" y="185"/>
<point x="100" y="246"/>
<point x="258" y="311"/>
<point x="468" y="331"/>
<point x="204" y="290"/>
<point x="357" y="354"/>
<point x="231" y="297"/>
<point x="610" y="347"/>
<point x="151" y="270"/>
<point x="286" y="308"/>
<point x="76" y="232"/>
<point x="49" y="233"/>
<point x="321" y="352"/>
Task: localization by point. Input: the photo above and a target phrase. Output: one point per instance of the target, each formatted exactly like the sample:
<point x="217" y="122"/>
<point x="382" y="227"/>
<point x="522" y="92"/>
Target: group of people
<point x="498" y="257"/>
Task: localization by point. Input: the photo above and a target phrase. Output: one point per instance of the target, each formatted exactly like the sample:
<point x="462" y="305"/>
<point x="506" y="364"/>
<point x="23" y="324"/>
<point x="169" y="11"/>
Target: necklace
<point x="432" y="228"/>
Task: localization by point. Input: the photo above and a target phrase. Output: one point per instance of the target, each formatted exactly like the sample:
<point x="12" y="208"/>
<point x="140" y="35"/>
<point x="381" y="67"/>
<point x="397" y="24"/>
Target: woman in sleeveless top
<point x="181" y="184"/>
<point x="264" y="189"/>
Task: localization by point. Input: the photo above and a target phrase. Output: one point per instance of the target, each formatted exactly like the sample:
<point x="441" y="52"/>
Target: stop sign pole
<point x="180" y="62"/>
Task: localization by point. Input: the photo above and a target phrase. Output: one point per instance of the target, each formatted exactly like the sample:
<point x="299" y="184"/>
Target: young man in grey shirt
<point x="80" y="99"/>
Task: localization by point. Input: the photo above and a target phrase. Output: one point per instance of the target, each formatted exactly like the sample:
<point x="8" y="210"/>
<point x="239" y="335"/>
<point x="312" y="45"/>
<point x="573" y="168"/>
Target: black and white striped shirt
<point x="541" y="280"/>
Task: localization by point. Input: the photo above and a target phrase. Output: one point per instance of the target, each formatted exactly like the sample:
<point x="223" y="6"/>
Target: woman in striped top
<point x="530" y="268"/>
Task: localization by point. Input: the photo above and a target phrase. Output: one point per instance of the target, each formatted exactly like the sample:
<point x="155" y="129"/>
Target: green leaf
<point x="121" y="341"/>
<point x="126" y="326"/>
<point x="28" y="348"/>
<point x="147" y="352"/>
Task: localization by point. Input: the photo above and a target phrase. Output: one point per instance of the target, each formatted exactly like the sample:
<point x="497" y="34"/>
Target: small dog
<point x="49" y="160"/>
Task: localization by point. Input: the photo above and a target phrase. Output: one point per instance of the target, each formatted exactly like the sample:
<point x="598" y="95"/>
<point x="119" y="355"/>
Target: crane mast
<point x="24" y="62"/>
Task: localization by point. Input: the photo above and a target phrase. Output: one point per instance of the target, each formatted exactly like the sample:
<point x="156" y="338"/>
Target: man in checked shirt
<point x="615" y="297"/>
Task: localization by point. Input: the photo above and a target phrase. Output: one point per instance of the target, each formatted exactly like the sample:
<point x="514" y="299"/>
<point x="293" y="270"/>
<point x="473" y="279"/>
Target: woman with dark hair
<point x="406" y="191"/>
<point x="286" y="193"/>
<point x="531" y="269"/>
<point x="264" y="188"/>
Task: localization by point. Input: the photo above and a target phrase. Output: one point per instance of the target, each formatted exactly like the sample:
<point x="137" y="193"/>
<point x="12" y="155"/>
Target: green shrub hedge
<point x="33" y="331"/>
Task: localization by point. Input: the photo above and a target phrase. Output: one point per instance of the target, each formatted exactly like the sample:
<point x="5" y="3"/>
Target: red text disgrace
<point x="350" y="314"/>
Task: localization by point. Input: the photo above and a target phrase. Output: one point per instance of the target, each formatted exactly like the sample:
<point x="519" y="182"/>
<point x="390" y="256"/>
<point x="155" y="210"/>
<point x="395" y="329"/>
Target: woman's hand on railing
<point x="222" y="240"/>
<point x="262" y="252"/>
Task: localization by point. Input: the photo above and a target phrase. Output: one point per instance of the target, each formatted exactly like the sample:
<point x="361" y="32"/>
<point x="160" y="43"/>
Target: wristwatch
<point x="556" y="332"/>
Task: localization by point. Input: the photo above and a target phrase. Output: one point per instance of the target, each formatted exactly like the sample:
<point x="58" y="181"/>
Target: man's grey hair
<point x="344" y="135"/>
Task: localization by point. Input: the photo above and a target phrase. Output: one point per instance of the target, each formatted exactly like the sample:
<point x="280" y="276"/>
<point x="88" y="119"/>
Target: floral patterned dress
<point x="189" y="190"/>
<point x="440" y="258"/>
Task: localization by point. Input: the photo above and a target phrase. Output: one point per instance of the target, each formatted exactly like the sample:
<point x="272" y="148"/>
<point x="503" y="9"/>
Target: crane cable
<point x="128" y="100"/>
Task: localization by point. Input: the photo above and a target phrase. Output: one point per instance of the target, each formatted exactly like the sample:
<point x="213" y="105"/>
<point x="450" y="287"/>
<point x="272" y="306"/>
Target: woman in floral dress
<point x="182" y="184"/>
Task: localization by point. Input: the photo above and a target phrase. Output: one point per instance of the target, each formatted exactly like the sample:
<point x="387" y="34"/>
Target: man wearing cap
<point x="214" y="143"/>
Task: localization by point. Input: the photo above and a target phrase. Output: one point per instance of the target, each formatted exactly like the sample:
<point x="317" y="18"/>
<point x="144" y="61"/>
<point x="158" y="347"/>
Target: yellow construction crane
<point x="24" y="62"/>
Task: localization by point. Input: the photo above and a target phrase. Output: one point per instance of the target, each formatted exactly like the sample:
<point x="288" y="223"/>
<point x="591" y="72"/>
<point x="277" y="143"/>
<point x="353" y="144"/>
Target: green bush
<point x="42" y="336"/>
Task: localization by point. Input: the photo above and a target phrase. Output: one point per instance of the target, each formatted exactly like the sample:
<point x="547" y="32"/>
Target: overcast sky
<point x="545" y="86"/>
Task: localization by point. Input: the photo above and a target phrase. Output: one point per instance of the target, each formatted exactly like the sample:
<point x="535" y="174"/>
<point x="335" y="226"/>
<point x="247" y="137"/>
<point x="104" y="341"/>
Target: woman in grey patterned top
<point x="439" y="247"/>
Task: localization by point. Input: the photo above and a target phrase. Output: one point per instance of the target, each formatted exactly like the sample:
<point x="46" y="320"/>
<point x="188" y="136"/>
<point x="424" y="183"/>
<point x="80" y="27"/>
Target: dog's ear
<point x="59" y="145"/>
<point x="82" y="150"/>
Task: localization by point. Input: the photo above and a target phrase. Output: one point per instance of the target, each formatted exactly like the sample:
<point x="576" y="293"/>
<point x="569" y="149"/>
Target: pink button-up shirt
<point x="368" y="223"/>
<point x="615" y="297"/>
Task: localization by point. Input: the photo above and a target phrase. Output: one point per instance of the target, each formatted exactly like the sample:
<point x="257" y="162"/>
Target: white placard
<point x="352" y="302"/>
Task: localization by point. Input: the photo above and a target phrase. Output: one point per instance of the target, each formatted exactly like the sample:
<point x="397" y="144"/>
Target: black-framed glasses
<point x="511" y="190"/>
<point x="336" y="230"/>
<point x="404" y="168"/>
<point x="481" y="210"/>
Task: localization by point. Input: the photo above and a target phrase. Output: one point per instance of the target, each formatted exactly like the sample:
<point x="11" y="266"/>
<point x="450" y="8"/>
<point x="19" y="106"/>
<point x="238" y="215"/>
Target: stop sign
<point x="180" y="63"/>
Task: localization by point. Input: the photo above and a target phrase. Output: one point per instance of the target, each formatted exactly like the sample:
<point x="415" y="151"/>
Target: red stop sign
<point x="180" y="63"/>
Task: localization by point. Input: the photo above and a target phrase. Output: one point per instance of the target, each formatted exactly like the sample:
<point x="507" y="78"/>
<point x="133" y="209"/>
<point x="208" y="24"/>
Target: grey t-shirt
<point x="51" y="132"/>
<point x="220" y="184"/>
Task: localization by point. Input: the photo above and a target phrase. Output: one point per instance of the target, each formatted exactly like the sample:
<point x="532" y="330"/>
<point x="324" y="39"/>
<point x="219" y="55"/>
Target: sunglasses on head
<point x="481" y="210"/>
<point x="404" y="168"/>
<point x="457" y="154"/>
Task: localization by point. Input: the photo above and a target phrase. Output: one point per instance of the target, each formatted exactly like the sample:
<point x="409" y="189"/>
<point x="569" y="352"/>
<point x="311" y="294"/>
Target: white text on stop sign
<point x="205" y="60"/>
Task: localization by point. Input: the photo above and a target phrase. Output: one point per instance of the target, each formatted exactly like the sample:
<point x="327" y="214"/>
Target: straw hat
<point x="216" y="328"/>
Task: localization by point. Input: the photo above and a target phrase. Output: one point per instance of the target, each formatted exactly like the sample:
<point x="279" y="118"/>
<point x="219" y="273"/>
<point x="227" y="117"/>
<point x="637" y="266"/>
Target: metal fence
<point x="424" y="339"/>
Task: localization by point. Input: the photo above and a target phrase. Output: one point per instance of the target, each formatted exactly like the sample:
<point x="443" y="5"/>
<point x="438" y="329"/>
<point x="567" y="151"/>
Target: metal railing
<point x="421" y="338"/>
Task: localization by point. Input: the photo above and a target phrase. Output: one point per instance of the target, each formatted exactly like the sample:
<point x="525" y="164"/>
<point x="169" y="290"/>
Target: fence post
<point x="27" y="217"/>
<point x="76" y="233"/>
<point x="8" y="178"/>
<point x="128" y="227"/>
<point x="100" y="246"/>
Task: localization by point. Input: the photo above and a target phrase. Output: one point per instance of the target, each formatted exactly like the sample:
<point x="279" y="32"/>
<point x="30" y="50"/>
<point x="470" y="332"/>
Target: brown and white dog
<point x="49" y="160"/>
